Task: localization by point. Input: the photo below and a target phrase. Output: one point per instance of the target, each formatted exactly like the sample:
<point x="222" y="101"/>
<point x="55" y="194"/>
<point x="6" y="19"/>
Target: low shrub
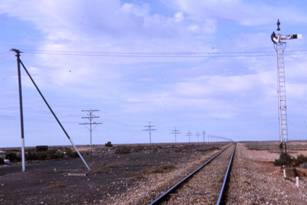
<point x="300" y="159"/>
<point x="30" y="155"/>
<point x="55" y="154"/>
<point x="138" y="148"/>
<point x="42" y="155"/>
<point x="51" y="153"/>
<point x="42" y="148"/>
<point x="122" y="150"/>
<point x="70" y="153"/>
<point x="108" y="144"/>
<point x="33" y="155"/>
<point x="12" y="156"/>
<point x="58" y="154"/>
<point x="284" y="159"/>
<point x="45" y="155"/>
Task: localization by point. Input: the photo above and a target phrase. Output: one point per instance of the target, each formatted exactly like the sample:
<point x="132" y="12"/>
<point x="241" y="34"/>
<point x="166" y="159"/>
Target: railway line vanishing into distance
<point x="207" y="184"/>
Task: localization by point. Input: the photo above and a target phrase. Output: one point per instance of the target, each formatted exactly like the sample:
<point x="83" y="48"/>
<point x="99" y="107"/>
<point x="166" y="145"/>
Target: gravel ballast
<point x="255" y="180"/>
<point x="204" y="187"/>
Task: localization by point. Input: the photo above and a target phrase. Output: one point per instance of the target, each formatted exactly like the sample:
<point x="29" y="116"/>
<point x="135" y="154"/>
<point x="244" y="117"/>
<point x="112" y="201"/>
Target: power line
<point x="189" y="134"/>
<point x="226" y="139"/>
<point x="175" y="132"/>
<point x="197" y="136"/>
<point x="149" y="129"/>
<point x="140" y="54"/>
<point x="204" y="136"/>
<point x="90" y="117"/>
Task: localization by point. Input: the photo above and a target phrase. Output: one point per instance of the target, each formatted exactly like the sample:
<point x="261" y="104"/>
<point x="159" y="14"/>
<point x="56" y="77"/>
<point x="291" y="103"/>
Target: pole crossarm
<point x="91" y="117"/>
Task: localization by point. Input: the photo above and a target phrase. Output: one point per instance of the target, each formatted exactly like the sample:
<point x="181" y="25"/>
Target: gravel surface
<point x="115" y="171"/>
<point x="204" y="187"/>
<point x="255" y="180"/>
<point x="155" y="183"/>
<point x="136" y="174"/>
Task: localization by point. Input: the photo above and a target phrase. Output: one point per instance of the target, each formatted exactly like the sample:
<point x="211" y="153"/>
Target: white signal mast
<point x="279" y="41"/>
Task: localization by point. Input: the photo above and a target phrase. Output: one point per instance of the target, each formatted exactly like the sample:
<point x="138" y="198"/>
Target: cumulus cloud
<point x="83" y="33"/>
<point x="179" y="16"/>
<point x="109" y="25"/>
<point x="243" y="12"/>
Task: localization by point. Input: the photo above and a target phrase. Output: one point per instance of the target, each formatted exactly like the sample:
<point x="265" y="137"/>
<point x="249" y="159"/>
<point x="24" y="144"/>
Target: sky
<point x="194" y="65"/>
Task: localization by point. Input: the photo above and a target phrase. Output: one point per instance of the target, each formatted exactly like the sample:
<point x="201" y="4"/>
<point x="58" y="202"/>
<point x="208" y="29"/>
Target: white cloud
<point x="98" y="25"/>
<point x="246" y="13"/>
<point x="179" y="16"/>
<point x="207" y="26"/>
<point x="220" y="97"/>
<point x="222" y="88"/>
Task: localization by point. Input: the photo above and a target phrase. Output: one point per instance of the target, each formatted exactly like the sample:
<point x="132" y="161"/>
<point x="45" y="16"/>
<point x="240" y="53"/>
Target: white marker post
<point x="297" y="182"/>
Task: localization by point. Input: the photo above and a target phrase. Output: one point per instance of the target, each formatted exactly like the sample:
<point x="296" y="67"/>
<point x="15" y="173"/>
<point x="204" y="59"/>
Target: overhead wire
<point x="159" y="54"/>
<point x="190" y="54"/>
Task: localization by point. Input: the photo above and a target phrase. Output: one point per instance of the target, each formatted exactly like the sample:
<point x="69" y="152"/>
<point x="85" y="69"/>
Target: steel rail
<point x="221" y="198"/>
<point x="164" y="195"/>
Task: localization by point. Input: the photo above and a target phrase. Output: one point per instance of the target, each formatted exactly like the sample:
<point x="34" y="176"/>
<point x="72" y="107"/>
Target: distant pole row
<point x="175" y="132"/>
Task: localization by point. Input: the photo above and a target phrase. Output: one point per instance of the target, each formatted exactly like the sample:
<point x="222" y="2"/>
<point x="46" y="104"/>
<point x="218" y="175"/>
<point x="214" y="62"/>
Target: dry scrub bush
<point x="122" y="150"/>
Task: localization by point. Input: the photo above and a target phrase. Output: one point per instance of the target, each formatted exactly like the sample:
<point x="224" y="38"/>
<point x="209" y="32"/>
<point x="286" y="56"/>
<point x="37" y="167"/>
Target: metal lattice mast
<point x="281" y="92"/>
<point x="280" y="46"/>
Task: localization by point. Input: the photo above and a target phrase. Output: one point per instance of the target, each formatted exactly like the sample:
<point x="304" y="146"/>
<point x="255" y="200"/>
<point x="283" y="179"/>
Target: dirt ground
<point x="257" y="181"/>
<point x="116" y="172"/>
<point x="136" y="174"/>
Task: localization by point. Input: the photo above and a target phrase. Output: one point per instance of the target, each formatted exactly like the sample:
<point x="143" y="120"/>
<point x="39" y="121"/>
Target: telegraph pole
<point x="90" y="116"/>
<point x="19" y="65"/>
<point x="149" y="129"/>
<point x="175" y="132"/>
<point x="23" y="160"/>
<point x="204" y="136"/>
<point x="197" y="136"/>
<point x="189" y="134"/>
<point x="279" y="41"/>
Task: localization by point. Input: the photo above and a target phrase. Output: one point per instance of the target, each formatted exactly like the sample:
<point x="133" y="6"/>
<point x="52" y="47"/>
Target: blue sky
<point x="232" y="95"/>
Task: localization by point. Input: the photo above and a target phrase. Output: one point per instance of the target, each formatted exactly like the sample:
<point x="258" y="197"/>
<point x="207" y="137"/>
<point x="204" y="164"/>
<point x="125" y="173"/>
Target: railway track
<point x="205" y="185"/>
